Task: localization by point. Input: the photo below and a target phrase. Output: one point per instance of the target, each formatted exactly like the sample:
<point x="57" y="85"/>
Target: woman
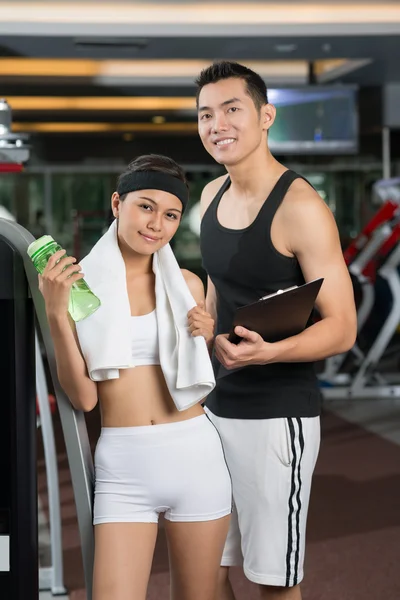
<point x="151" y="458"/>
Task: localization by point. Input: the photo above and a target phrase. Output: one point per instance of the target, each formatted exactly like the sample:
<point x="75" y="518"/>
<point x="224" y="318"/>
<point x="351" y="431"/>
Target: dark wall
<point x="56" y="149"/>
<point x="63" y="148"/>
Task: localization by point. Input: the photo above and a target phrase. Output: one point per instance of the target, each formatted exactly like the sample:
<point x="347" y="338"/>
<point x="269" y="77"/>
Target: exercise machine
<point x="378" y="258"/>
<point x="364" y="270"/>
<point x="73" y="422"/>
<point x="14" y="152"/>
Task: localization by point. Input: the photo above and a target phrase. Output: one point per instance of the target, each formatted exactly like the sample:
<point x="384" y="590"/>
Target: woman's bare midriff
<point x="140" y="397"/>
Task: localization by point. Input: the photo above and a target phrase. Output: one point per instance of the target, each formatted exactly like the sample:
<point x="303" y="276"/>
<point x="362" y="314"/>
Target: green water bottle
<point x="82" y="301"/>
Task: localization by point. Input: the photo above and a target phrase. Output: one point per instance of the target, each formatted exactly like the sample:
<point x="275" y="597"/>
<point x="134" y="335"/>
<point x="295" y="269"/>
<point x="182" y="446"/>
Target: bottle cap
<point x="39" y="244"/>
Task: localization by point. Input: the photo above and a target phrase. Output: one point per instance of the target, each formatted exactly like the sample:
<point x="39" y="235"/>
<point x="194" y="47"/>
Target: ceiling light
<point x="96" y="127"/>
<point x="117" y="103"/>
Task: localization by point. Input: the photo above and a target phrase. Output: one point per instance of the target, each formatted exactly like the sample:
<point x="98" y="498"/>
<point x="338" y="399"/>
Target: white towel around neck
<point x="105" y="336"/>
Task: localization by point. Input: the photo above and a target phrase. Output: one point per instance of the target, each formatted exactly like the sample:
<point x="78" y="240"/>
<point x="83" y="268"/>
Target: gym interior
<point x="85" y="87"/>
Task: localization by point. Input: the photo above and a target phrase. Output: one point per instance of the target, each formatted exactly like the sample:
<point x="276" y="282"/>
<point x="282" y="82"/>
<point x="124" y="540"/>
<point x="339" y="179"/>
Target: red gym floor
<point x="353" y="548"/>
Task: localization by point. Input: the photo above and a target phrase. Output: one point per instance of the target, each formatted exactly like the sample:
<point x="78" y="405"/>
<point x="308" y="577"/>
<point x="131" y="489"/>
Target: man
<point x="264" y="228"/>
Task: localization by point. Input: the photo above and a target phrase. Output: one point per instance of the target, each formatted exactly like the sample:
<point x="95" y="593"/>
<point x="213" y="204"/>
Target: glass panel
<point x="78" y="205"/>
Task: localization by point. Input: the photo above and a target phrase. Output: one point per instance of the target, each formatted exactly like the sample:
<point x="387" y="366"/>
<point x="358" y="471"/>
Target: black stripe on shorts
<point x="294" y="504"/>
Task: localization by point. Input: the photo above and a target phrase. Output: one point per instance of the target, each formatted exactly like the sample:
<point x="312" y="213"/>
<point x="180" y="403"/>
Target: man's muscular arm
<point x="314" y="240"/>
<point x="211" y="299"/>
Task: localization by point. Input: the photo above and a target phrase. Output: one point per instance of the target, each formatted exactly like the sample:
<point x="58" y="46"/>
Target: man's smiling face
<point x="230" y="126"/>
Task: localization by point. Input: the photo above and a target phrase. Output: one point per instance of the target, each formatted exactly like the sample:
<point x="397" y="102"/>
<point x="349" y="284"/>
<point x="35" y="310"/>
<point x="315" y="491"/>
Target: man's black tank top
<point x="243" y="266"/>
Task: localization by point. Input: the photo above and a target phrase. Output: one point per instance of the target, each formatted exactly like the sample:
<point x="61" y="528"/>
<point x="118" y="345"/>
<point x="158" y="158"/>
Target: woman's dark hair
<point x="154" y="162"/>
<point x="256" y="88"/>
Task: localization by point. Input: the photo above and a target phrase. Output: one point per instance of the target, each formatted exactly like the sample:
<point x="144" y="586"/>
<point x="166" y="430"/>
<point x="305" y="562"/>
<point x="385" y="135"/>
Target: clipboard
<point x="280" y="315"/>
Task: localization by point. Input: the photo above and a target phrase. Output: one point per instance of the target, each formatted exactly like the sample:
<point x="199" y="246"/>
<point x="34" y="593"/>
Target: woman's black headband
<point x="153" y="180"/>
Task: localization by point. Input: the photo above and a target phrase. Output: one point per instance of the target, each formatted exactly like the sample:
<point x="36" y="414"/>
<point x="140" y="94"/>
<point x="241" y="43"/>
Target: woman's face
<point x="147" y="219"/>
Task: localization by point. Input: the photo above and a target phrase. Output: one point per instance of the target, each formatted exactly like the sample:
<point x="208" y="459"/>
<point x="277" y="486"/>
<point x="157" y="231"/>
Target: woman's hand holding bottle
<point x="56" y="281"/>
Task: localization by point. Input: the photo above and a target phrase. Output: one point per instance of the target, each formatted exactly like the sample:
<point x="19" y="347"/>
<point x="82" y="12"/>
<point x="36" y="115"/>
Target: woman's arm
<point x="71" y="367"/>
<point x="55" y="285"/>
<point x="201" y="323"/>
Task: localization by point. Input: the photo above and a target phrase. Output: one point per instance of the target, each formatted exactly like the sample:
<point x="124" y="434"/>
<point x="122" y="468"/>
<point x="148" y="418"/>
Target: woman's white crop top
<point x="145" y="340"/>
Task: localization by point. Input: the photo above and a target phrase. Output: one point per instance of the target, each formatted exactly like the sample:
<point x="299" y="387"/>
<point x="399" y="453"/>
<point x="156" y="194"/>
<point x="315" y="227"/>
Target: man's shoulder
<point x="210" y="190"/>
<point x="301" y="194"/>
<point x="304" y="206"/>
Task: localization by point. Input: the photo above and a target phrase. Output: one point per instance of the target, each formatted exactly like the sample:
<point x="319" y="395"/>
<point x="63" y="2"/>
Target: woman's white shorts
<point x="177" y="469"/>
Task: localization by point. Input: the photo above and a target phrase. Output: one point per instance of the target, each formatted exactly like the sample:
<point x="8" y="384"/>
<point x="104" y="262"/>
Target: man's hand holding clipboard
<point x="272" y="318"/>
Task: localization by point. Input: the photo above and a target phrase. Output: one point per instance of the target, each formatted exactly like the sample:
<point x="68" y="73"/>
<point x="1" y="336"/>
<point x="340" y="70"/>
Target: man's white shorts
<point x="271" y="462"/>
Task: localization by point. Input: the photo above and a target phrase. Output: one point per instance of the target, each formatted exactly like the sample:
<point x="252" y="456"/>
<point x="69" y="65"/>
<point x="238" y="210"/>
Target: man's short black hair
<point x="218" y="71"/>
